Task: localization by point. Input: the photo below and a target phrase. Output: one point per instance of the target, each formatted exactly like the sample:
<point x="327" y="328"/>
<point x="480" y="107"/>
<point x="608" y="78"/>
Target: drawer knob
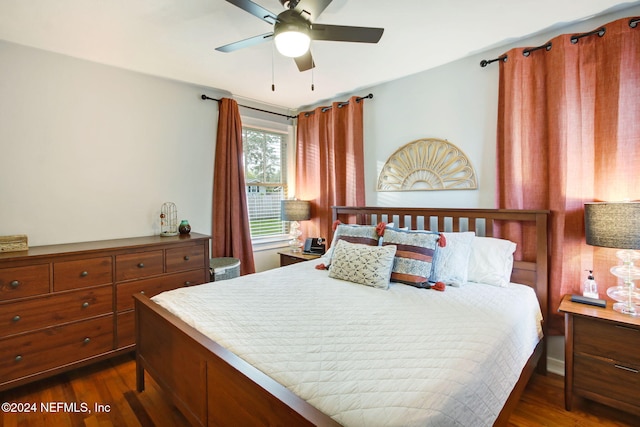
<point x="141" y="265"/>
<point x="86" y="340"/>
<point x="84" y="274"/>
<point x="15" y="284"/>
<point x="142" y="292"/>
<point x="85" y="304"/>
<point x="186" y="257"/>
<point x="16" y="318"/>
<point x="187" y="283"/>
<point x="18" y="358"/>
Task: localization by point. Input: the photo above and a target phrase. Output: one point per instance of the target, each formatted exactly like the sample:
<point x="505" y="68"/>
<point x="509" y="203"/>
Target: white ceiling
<point x="176" y="39"/>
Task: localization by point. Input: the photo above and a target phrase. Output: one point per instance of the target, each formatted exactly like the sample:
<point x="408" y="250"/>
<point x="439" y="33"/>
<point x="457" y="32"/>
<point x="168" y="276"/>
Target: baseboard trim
<point x="555" y="366"/>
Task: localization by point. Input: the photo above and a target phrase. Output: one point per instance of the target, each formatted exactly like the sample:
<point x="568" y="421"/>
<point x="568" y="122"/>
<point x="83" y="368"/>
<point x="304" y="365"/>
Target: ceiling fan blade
<point x="252" y="41"/>
<point x="340" y="33"/>
<point x="311" y="8"/>
<point x="305" y="62"/>
<point x="255" y="9"/>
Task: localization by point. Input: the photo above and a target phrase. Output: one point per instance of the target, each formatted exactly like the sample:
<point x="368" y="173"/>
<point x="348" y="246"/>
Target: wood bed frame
<point x="212" y="386"/>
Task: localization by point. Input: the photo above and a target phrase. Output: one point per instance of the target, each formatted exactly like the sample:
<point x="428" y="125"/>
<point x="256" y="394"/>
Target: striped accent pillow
<point x="414" y="255"/>
<point x="363" y="234"/>
<point x="353" y="233"/>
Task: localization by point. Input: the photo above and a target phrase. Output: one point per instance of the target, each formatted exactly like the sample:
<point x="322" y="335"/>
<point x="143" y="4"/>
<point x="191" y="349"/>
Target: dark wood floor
<point x="542" y="404"/>
<point x="112" y="385"/>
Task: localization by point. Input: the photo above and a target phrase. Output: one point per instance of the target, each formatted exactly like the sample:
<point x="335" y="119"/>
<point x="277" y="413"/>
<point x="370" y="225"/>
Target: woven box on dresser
<point x="15" y="243"/>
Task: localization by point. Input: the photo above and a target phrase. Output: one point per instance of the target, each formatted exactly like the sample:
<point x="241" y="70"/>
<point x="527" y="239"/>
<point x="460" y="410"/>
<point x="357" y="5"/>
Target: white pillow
<point x="362" y="264"/>
<point x="491" y="261"/>
<point x="451" y="262"/>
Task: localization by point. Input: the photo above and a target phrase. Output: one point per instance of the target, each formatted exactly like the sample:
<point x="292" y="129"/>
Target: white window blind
<point x="265" y="168"/>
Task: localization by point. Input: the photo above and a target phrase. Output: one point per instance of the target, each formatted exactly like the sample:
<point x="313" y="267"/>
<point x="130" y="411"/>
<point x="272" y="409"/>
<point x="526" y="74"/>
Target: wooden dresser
<point x="602" y="355"/>
<point x="63" y="306"/>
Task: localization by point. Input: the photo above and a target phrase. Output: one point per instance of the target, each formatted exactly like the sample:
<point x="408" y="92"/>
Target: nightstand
<point x="602" y="355"/>
<point x="287" y="257"/>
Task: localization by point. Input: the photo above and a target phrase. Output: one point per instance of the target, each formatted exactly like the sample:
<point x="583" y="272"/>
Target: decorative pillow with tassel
<point x="414" y="255"/>
<point x="362" y="264"/>
<point x="451" y="262"/>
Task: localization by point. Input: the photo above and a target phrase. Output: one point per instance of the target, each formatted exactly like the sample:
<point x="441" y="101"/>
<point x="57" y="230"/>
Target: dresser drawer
<point x="82" y="273"/>
<point x="606" y="339"/>
<point x="126" y="325"/>
<point x="18" y="282"/>
<point x="151" y="287"/>
<point x="622" y="380"/>
<point x="36" y="313"/>
<point x="185" y="258"/>
<point x="140" y="264"/>
<point x="54" y="347"/>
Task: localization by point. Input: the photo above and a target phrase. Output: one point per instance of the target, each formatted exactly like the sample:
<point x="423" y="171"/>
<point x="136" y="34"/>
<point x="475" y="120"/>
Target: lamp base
<point x="628" y="300"/>
<point x="625" y="308"/>
<point x="295" y="244"/>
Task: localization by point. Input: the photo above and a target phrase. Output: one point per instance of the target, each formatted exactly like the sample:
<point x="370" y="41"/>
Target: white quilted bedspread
<point x="372" y="357"/>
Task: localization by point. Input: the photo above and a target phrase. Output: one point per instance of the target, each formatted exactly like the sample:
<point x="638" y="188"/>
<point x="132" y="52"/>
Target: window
<point x="265" y="168"/>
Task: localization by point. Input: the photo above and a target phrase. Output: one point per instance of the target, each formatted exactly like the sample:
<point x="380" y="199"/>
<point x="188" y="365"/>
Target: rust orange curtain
<point x="569" y="133"/>
<point x="330" y="162"/>
<point x="230" y="219"/>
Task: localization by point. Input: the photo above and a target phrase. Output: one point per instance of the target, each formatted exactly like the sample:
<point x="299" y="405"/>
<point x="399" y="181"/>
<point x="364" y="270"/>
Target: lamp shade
<point x="295" y="210"/>
<point x="613" y="225"/>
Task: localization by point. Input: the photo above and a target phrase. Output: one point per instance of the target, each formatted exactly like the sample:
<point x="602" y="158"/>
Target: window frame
<point x="278" y="240"/>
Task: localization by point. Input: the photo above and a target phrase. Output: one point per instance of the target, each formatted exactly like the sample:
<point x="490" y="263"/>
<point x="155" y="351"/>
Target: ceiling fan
<point x="294" y="29"/>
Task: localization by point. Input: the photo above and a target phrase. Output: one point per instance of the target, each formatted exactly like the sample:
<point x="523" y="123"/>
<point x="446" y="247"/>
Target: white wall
<point x="90" y="152"/>
<point x="452" y="102"/>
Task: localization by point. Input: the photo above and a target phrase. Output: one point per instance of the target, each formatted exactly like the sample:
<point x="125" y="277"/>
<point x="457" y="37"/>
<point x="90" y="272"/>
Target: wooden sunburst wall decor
<point x="427" y="164"/>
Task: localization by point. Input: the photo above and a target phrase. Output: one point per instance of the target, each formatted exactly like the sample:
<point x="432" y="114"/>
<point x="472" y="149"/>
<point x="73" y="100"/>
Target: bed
<point x="416" y="371"/>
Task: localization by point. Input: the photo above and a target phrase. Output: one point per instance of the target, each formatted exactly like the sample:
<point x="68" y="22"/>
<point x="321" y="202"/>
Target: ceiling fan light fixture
<point x="294" y="28"/>
<point x="291" y="41"/>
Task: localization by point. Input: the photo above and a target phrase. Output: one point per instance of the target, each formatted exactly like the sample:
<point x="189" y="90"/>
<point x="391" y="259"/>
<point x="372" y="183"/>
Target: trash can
<point x="224" y="268"/>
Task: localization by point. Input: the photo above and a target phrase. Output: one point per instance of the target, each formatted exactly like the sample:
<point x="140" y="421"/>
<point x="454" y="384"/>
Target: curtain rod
<point x="204" y="97"/>
<point x="486" y="62"/>
<point x="340" y="104"/>
<point x="600" y="32"/>
<point x="546" y="46"/>
<point x="633" y="23"/>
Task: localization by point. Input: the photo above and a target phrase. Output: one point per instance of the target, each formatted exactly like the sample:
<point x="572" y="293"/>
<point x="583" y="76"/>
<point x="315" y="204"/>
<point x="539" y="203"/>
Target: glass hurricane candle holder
<point x="628" y="299"/>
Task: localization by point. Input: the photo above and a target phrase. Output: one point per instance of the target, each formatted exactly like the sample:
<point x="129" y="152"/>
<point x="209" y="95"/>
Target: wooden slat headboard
<point x="481" y="221"/>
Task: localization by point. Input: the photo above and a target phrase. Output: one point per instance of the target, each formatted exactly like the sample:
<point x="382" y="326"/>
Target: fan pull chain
<point x="273" y="73"/>
<point x="312" y="67"/>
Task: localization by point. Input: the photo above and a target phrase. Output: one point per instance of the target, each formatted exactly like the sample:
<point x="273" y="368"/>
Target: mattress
<point x="372" y="357"/>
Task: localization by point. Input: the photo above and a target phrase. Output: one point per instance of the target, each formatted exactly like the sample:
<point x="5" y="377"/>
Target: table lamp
<point x="294" y="211"/>
<point x="617" y="225"/>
